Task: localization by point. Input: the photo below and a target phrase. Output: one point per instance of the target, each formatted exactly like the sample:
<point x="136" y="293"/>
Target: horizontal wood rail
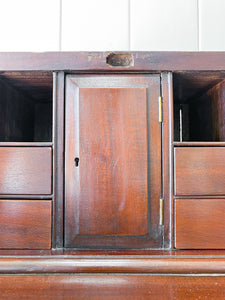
<point x="96" y="61"/>
<point x="135" y="265"/>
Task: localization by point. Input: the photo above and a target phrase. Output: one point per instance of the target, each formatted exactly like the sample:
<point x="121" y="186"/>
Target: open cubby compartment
<point x="26" y="106"/>
<point x="199" y="106"/>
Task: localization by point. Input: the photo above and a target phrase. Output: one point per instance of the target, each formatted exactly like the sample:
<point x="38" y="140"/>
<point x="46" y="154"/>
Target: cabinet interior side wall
<point x="217" y="95"/>
<point x="43" y="121"/>
<point x="206" y="114"/>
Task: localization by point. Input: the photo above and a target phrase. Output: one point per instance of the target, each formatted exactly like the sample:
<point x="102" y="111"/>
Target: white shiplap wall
<point x="99" y="25"/>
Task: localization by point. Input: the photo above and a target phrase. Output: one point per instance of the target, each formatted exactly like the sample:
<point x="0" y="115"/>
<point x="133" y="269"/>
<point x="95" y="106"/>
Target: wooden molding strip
<point x="112" y="265"/>
<point x="199" y="144"/>
<point x="26" y="144"/>
<point x="97" y="61"/>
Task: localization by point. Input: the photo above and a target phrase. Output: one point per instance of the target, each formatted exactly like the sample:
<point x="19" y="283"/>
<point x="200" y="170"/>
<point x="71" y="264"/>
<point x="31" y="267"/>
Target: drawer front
<point x="25" y="170"/>
<point x="200" y="223"/>
<point x="199" y="171"/>
<point x="25" y="224"/>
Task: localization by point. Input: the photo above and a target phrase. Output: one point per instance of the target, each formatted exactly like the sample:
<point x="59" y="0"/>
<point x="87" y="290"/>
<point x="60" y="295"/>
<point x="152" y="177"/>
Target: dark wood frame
<point x="97" y="61"/>
<point x="58" y="160"/>
<point x="167" y="154"/>
<point x="154" y="238"/>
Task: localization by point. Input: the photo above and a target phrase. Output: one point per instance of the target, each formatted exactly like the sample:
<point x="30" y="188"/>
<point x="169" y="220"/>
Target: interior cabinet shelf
<point x="26" y="144"/>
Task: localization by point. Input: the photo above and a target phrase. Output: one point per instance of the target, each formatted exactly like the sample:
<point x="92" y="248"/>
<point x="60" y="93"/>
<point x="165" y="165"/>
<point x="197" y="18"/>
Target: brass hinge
<point x="160" y="109"/>
<point x="161" y="210"/>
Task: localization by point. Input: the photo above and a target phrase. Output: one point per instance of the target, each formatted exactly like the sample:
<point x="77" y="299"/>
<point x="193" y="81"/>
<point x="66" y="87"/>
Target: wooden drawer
<point x="199" y="223"/>
<point x="199" y="171"/>
<point x="25" y="170"/>
<point x="25" y="224"/>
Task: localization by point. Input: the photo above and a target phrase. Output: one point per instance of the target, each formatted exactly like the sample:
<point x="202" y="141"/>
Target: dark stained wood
<point x="121" y="273"/>
<point x="110" y="287"/>
<point x="196" y="120"/>
<point x="199" y="144"/>
<point x="167" y="153"/>
<point x="22" y="118"/>
<point x="200" y="197"/>
<point x="217" y="96"/>
<point x="25" y="144"/>
<point x="107" y="196"/>
<point x="192" y="84"/>
<point x="154" y="264"/>
<point x="115" y="253"/>
<point x="96" y="61"/>
<point x="199" y="223"/>
<point x="203" y="112"/>
<point x="113" y="148"/>
<point x="36" y="85"/>
<point x="29" y="197"/>
<point x="16" y="115"/>
<point x="200" y="120"/>
<point x="43" y="122"/>
<point x="25" y="170"/>
<point x="182" y="122"/>
<point x="25" y="224"/>
<point x="199" y="171"/>
<point x="120" y="59"/>
<point x="58" y="160"/>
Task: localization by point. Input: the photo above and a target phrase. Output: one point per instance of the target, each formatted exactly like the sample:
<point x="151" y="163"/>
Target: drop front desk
<point x="112" y="181"/>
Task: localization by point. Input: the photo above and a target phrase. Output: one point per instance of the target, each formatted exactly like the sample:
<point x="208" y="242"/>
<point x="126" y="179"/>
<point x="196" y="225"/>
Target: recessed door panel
<point x="113" y="161"/>
<point x="113" y="143"/>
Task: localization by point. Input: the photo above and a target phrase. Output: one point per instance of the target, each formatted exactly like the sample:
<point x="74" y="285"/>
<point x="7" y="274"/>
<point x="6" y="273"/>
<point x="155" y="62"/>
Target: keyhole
<point x="76" y="159"/>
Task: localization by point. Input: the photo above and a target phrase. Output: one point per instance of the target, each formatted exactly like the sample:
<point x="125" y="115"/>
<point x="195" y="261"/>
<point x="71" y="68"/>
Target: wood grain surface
<point x="58" y="160"/>
<point x="97" y="61"/>
<point x="124" y="287"/>
<point x="199" y="171"/>
<point x="112" y="127"/>
<point x="217" y="95"/>
<point x="180" y="262"/>
<point x="17" y="115"/>
<point x="113" y="161"/>
<point x="25" y="170"/>
<point x="167" y="157"/>
<point x="25" y="224"/>
<point x="199" y="223"/>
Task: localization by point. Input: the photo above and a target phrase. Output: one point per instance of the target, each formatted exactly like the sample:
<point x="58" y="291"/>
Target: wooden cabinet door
<point x="112" y="161"/>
